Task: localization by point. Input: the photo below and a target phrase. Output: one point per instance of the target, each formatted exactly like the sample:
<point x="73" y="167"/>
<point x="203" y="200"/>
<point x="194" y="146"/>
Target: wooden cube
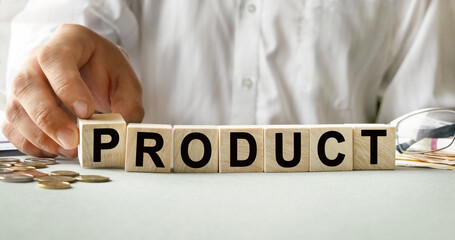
<point x="287" y="148"/>
<point x="196" y="149"/>
<point x="241" y="149"/>
<point x="374" y="146"/>
<point x="102" y="141"/>
<point x="148" y="148"/>
<point x="331" y="148"/>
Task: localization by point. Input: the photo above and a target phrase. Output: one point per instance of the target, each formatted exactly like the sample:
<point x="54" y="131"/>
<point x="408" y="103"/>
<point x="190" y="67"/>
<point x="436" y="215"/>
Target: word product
<point x="107" y="141"/>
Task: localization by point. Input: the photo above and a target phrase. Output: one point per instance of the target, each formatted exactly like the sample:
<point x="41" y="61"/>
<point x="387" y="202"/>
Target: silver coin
<point x="8" y="159"/>
<point x="6" y="170"/>
<point x="16" y="178"/>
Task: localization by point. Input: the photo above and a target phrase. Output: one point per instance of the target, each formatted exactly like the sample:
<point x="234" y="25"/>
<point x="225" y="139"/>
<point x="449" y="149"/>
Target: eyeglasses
<point x="426" y="130"/>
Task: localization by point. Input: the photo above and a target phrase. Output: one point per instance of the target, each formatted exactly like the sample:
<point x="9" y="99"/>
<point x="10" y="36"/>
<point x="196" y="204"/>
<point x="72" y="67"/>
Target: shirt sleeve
<point x="422" y="59"/>
<point x="112" y="19"/>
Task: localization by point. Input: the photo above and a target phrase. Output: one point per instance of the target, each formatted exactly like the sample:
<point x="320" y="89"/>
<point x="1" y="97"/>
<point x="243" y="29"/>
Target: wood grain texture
<point x="288" y="133"/>
<point x="243" y="150"/>
<point x="385" y="147"/>
<point x="332" y="148"/>
<point x="196" y="148"/>
<point x="164" y="154"/>
<point x="109" y="157"/>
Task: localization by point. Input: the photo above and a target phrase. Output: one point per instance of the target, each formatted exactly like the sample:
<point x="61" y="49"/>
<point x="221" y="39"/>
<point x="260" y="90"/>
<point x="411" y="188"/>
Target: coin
<point x="4" y="160"/>
<point x="15" y="178"/>
<point x="64" y="173"/>
<point x="54" y="185"/>
<point x="8" y="163"/>
<point x="39" y="159"/>
<point x="92" y="178"/>
<point x="47" y="161"/>
<point x="56" y="179"/>
<point x="33" y="164"/>
<point x="6" y="170"/>
<point x="33" y="173"/>
<point x="2" y="174"/>
<point x="19" y="168"/>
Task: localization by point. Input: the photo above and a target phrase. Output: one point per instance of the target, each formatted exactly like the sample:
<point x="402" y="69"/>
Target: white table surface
<point x="401" y="204"/>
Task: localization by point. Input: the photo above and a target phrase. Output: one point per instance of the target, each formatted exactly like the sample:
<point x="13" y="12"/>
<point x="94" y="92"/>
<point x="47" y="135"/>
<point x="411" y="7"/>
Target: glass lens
<point x="426" y="131"/>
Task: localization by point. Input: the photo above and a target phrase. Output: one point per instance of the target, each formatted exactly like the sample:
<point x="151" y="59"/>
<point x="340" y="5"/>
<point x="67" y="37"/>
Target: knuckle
<point x="13" y="111"/>
<point x="24" y="145"/>
<point x="73" y="32"/>
<point x="34" y="52"/>
<point x="65" y="27"/>
<point x="63" y="86"/>
<point x="46" y="54"/>
<point x="50" y="55"/>
<point x="27" y="147"/>
<point x="69" y="27"/>
<point x="43" y="117"/>
<point x="21" y="84"/>
<point x="42" y="141"/>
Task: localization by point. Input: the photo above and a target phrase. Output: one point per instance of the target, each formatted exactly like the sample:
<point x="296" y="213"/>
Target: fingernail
<point x="67" y="153"/>
<point x="80" y="108"/>
<point x="67" y="137"/>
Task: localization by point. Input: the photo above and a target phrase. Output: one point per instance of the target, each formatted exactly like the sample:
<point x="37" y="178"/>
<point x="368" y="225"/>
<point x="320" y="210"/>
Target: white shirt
<point x="268" y="61"/>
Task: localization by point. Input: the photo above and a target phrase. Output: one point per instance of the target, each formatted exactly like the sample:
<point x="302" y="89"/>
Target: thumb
<point x="126" y="99"/>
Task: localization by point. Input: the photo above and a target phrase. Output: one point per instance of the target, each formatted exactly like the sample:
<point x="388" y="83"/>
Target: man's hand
<point x="76" y="73"/>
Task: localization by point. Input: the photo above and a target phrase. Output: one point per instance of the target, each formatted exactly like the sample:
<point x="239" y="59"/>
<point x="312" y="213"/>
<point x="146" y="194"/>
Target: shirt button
<point x="247" y="83"/>
<point x="251" y="8"/>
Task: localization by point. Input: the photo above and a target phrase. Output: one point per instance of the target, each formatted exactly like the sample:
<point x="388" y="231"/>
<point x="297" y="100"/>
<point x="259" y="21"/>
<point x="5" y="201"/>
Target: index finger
<point x="34" y="94"/>
<point x="60" y="60"/>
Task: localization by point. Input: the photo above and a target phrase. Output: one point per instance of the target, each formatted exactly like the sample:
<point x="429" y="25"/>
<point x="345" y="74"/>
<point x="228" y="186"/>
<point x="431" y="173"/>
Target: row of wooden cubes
<point x="107" y="141"/>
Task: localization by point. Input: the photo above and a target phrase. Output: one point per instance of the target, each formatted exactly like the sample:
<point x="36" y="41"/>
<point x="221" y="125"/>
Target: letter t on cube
<point x="374" y="146"/>
<point x="102" y="141"/>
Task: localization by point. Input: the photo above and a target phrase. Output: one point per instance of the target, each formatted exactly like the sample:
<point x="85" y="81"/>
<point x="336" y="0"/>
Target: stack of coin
<point x="33" y="173"/>
<point x="47" y="161"/>
<point x="21" y="168"/>
<point x="55" y="182"/>
<point x="64" y="173"/>
<point x="6" y="165"/>
<point x="9" y="160"/>
<point x="5" y="170"/>
<point x="92" y="178"/>
<point x="13" y="170"/>
<point x="31" y="164"/>
<point x="16" y="178"/>
<point x="56" y="179"/>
